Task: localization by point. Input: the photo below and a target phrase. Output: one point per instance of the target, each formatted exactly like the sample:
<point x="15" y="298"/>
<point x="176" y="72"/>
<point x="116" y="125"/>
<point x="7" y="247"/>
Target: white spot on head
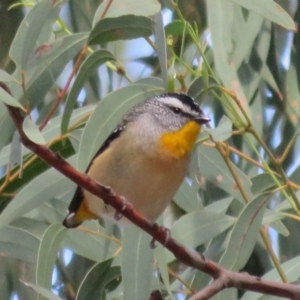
<point x="174" y="102"/>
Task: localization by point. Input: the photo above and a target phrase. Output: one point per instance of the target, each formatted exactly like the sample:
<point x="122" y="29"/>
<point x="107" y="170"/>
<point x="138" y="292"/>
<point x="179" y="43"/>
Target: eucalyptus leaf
<point x="161" y="47"/>
<point x="91" y="63"/>
<point x="223" y="130"/>
<point x="44" y="11"/>
<point x="174" y="28"/>
<point x="136" y="266"/>
<point x="215" y="170"/>
<point x="198" y="227"/>
<point x="45" y="66"/>
<point x="8" y="99"/>
<point x="117" y="8"/>
<point x="35" y="29"/>
<point x="39" y="190"/>
<point x="90" y="243"/>
<point x="220" y="16"/>
<point x="5" y="77"/>
<point x="33" y="132"/>
<point x="187" y="197"/>
<point x="269" y="9"/>
<point x="42" y="291"/>
<point x="244" y="234"/>
<point x="50" y="132"/>
<point x="16" y="150"/>
<point x="47" y="254"/>
<point x="162" y="264"/>
<point x="100" y="279"/>
<point x="290" y="269"/>
<point x="121" y="28"/>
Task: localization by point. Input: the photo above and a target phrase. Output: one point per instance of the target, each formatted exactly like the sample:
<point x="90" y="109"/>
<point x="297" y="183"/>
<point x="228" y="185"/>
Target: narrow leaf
<point x="33" y="132"/>
<point x="87" y="68"/>
<point x="47" y="254"/>
<point x="290" y="269"/>
<point x="42" y="291"/>
<point x="160" y="41"/>
<point x="223" y="130"/>
<point x="196" y="228"/>
<point x="136" y="266"/>
<point x="42" y="188"/>
<point x="117" y="8"/>
<point x="35" y="30"/>
<point x="5" y="77"/>
<point x="244" y="234"/>
<point x="215" y="170"/>
<point x="270" y="10"/>
<point x="99" y="280"/>
<point x="8" y="99"/>
<point x="121" y="28"/>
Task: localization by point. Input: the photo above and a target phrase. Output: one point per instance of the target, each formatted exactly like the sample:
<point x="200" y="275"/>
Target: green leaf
<point x="136" y="265"/>
<point x="248" y="31"/>
<point x="293" y="96"/>
<point x="87" y="68"/>
<point x="162" y="264"/>
<point x="8" y="99"/>
<point x="7" y="123"/>
<point x="219" y="206"/>
<point x="215" y="170"/>
<point x="42" y="291"/>
<point x="161" y="47"/>
<point x="45" y="67"/>
<point x="270" y="10"/>
<point x="106" y="116"/>
<point x="187" y="197"/>
<point x="33" y="132"/>
<point x="117" y="8"/>
<point x="43" y="11"/>
<point x="223" y="130"/>
<point x="99" y="280"/>
<point x="121" y="28"/>
<point x="47" y="254"/>
<point x="5" y="77"/>
<point x="16" y="150"/>
<point x="290" y="269"/>
<point x="39" y="190"/>
<point x="51" y="131"/>
<point x="198" y="227"/>
<point x="90" y="245"/>
<point x="35" y="30"/>
<point x="21" y="239"/>
<point x="244" y="234"/>
<point x="262" y="182"/>
<point x="174" y="28"/>
<point x="220" y="15"/>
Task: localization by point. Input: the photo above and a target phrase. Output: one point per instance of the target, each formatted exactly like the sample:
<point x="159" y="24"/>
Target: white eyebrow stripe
<point x="174" y="102"/>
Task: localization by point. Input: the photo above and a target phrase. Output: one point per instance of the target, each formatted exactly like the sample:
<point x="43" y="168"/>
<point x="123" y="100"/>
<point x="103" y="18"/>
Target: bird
<point x="145" y="159"/>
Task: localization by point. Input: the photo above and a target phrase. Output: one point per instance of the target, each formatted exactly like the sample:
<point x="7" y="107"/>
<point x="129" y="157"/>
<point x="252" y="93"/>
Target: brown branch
<point x="62" y="93"/>
<point x="222" y="278"/>
<point x="212" y="289"/>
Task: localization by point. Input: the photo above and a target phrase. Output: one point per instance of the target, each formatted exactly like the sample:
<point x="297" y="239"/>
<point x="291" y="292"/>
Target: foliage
<point x="237" y="58"/>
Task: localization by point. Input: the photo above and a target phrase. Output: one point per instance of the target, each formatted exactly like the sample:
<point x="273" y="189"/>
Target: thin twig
<point x="61" y="94"/>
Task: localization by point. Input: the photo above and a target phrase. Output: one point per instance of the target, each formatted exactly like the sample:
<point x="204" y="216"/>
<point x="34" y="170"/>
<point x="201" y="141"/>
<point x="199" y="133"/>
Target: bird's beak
<point x="202" y="119"/>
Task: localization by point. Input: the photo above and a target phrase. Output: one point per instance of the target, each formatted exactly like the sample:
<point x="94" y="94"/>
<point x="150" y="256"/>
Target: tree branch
<point x="222" y="278"/>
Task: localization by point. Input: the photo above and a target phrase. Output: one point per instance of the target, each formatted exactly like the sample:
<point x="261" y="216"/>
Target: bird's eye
<point x="176" y="110"/>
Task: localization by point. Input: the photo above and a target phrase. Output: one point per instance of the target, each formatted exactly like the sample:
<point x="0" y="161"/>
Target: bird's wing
<point x="78" y="196"/>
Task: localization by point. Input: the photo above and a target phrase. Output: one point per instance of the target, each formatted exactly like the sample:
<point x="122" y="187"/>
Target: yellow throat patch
<point x="180" y="143"/>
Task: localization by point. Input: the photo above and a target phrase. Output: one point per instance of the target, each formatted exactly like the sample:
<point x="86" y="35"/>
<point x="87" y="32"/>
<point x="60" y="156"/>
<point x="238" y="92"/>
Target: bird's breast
<point x="179" y="144"/>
